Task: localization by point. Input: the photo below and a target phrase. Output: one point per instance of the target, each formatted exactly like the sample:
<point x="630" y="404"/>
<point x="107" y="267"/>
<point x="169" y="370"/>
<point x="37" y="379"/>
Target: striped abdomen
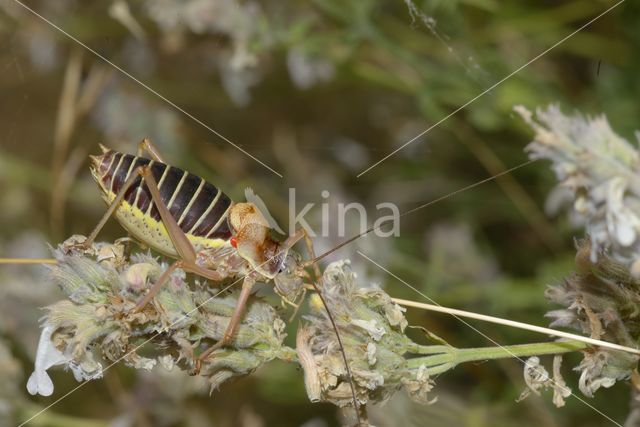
<point x="199" y="208"/>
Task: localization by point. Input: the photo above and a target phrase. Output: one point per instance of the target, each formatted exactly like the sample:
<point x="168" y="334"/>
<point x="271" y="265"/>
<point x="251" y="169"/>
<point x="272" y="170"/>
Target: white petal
<point x="625" y="233"/>
<point x="40" y="383"/>
<point x="47" y="356"/>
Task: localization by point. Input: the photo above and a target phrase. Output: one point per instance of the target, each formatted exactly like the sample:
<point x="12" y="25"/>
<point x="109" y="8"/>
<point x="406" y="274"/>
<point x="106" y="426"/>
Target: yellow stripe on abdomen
<point x="147" y="230"/>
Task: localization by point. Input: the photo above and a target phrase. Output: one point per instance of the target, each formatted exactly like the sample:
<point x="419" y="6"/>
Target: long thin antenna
<point x="149" y="88"/>
<point x="320" y="257"/>
<point x="331" y="319"/>
<point x="335" y="248"/>
<point x="344" y="354"/>
<point x="424" y="205"/>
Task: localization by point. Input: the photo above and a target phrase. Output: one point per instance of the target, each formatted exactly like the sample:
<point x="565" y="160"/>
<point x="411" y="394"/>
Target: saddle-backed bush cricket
<point x="184" y="217"/>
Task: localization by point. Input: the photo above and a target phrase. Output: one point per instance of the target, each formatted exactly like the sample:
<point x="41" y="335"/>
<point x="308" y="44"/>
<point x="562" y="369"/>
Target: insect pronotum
<point x="186" y="218"/>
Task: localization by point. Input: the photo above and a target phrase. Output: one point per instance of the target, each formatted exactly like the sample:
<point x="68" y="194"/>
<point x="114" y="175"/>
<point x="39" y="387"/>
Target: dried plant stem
<point x="451" y="356"/>
<point x="436" y="308"/>
<point x="28" y="261"/>
<point x="65" y="121"/>
<point x="514" y="324"/>
<point x="65" y="179"/>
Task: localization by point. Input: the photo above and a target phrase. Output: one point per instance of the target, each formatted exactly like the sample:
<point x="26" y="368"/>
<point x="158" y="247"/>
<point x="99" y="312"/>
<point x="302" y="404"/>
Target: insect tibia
<point x="101" y="290"/>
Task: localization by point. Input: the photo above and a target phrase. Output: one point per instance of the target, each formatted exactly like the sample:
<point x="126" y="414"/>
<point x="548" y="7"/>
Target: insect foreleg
<point x="295" y="238"/>
<point x="296" y="307"/>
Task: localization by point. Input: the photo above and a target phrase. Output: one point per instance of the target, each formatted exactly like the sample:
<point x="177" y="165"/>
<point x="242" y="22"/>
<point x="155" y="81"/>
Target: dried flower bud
<point x="601" y="299"/>
<point x="537" y="379"/>
<point x="96" y="326"/>
<point x="600" y="168"/>
<point x="372" y="330"/>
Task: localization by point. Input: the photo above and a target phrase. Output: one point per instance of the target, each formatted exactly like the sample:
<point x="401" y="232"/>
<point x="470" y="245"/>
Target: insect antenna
<point x="291" y="241"/>
<point x="422" y="206"/>
<point x="344" y="354"/>
<point x="343" y="244"/>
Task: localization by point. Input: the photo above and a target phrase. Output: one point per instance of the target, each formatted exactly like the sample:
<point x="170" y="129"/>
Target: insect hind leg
<point x="184" y="248"/>
<point x="178" y="238"/>
<point x="148" y="147"/>
<point x="164" y="278"/>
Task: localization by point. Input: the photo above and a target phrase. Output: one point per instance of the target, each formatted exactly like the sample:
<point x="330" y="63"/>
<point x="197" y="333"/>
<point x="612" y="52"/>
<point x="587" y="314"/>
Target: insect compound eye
<point x="234" y="242"/>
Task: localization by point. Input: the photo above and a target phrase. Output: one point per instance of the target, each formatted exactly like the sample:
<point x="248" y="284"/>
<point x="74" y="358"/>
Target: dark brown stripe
<point x="222" y="232"/>
<point x="105" y="163"/>
<point x="168" y="187"/>
<point x="144" y="198"/>
<point x="212" y="219"/>
<point x="184" y="195"/>
<point x="158" y="170"/>
<point x="107" y="177"/>
<point x="120" y="174"/>
<point x="170" y="183"/>
<point x="130" y="195"/>
<point x="199" y="206"/>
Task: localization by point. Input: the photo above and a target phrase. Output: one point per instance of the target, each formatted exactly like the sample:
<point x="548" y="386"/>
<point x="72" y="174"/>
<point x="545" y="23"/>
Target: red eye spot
<point x="234" y="242"/>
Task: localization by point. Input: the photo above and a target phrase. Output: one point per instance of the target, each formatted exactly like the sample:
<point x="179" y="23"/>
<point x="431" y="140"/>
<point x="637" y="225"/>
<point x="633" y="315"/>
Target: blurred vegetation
<point x="318" y="91"/>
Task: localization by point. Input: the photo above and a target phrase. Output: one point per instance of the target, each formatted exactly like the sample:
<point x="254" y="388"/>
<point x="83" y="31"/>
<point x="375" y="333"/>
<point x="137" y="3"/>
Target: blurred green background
<point x="318" y="91"/>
